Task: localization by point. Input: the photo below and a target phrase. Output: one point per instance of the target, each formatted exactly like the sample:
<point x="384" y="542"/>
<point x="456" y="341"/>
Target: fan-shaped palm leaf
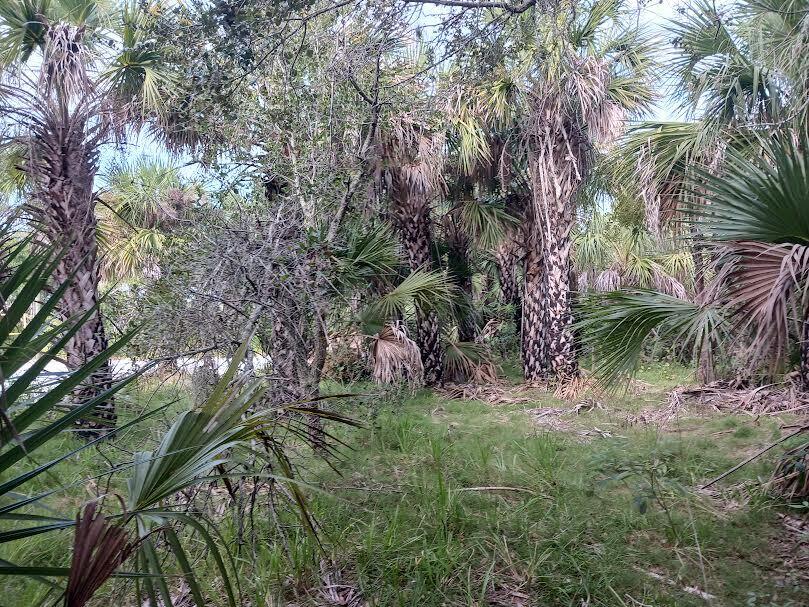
<point x="616" y="325"/>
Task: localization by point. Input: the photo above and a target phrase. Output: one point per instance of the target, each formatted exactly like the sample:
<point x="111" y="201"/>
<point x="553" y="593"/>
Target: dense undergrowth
<point x="449" y="502"/>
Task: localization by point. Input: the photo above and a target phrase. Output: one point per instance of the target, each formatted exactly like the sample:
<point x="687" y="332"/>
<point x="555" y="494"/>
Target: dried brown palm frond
<point x="489" y="330"/>
<point x="766" y="282"/>
<point x="608" y="280"/>
<point x="669" y="285"/>
<point x="572" y="388"/>
<point x="469" y="361"/>
<point x="99" y="548"/>
<point x="414" y="155"/>
<point x="64" y="62"/>
<point x="396" y="357"/>
<point x="649" y="190"/>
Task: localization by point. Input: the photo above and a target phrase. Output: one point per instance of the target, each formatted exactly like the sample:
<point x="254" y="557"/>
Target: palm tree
<point x="592" y="74"/>
<point x="143" y="203"/>
<point x="482" y="215"/>
<point x="755" y="218"/>
<point x="66" y="92"/>
<point x="412" y="156"/>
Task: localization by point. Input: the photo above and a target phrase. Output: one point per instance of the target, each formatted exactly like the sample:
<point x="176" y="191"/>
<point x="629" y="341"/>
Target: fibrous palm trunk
<point x="506" y="256"/>
<point x="460" y="271"/>
<point x="412" y="218"/>
<point x="63" y="158"/>
<point x="804" y="354"/>
<point x="559" y="338"/>
<point x="557" y="163"/>
<point x="534" y="352"/>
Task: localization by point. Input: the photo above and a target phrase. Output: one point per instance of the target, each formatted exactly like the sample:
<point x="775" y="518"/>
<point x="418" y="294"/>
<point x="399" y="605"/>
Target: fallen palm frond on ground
<point x="492" y="394"/>
<point x="469" y="361"/>
<point x="773" y="399"/>
<point x="791" y="476"/>
<point x="337" y="592"/>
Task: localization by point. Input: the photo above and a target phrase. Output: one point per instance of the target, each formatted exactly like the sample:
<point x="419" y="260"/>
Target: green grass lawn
<point x="453" y="502"/>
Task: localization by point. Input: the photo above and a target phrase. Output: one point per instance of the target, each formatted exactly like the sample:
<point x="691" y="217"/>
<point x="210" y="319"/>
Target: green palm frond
<point x="595" y="17"/>
<point x="424" y="289"/>
<point x="13" y="178"/>
<point x="470" y="137"/>
<point x="760" y="198"/>
<point x="469" y="361"/>
<point x="23" y="28"/>
<point x="485" y="221"/>
<point x="724" y="79"/>
<point x="143" y="192"/>
<point x="593" y="247"/>
<point x="373" y="254"/>
<point x="138" y="75"/>
<point x="616" y="325"/>
<point x="137" y="254"/>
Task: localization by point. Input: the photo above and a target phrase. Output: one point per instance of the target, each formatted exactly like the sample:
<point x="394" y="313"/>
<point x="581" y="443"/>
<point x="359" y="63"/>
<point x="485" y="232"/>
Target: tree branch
<point x="506" y="6"/>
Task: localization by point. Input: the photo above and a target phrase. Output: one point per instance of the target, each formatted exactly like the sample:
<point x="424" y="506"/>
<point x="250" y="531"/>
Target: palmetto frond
<point x="396" y="357"/>
<point x="424" y="289"/>
<point x="374" y="254"/>
<point x="135" y="255"/>
<point x="758" y="209"/>
<point x="470" y="362"/>
<point x="616" y="325"/>
<point x="24" y="27"/>
<point x="766" y="285"/>
<point x="725" y="79"/>
<point x="485" y="221"/>
<point x="468" y="133"/>
<point x="759" y="198"/>
<point x="138" y="76"/>
<point x="146" y="193"/>
<point x="99" y="548"/>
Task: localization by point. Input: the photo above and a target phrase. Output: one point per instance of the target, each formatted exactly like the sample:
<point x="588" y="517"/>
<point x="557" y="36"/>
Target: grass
<point x="444" y="502"/>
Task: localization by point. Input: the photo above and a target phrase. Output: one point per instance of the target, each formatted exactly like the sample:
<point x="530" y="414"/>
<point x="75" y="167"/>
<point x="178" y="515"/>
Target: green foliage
<point x="758" y="197"/>
<point x="424" y="289"/>
<point x="34" y="411"/>
<point x="616" y="325"/>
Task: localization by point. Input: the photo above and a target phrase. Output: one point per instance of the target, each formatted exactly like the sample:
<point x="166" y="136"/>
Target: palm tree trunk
<point x="804" y="350"/>
<point x="62" y="163"/>
<point x="506" y="257"/>
<point x="532" y="342"/>
<point x="460" y="270"/>
<point x="412" y="218"/>
<point x="559" y="338"/>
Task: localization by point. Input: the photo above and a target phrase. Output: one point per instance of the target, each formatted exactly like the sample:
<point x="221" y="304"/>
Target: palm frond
<point x="485" y="221"/>
<point x="424" y="289"/>
<point x="470" y="362"/>
<point x="396" y="357"/>
<point x="760" y="198"/>
<point x="616" y="325"/>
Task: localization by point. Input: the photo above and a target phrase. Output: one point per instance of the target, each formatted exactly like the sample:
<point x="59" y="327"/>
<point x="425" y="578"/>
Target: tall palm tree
<point x="413" y="159"/>
<point x="592" y="74"/>
<point x="75" y="77"/>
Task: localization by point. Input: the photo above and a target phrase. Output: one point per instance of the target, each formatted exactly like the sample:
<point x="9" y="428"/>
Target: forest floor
<point x="512" y="497"/>
<point x="520" y="499"/>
